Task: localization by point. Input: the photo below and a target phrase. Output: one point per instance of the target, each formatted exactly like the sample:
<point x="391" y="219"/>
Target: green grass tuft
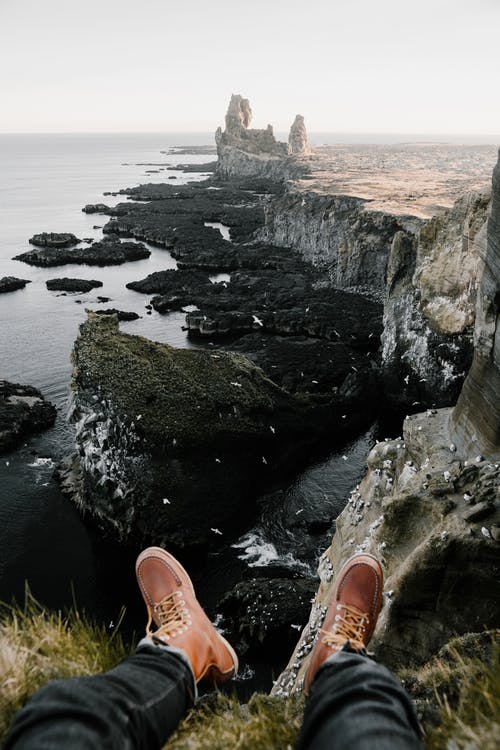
<point x="37" y="646"/>
<point x="222" y="723"/>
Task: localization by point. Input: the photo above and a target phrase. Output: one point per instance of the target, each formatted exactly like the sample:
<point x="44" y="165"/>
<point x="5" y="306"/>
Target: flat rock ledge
<point x="109" y="252"/>
<point x="72" y="285"/>
<point x="54" y="239"/>
<point x="11" y="284"/>
<point x="23" y="411"/>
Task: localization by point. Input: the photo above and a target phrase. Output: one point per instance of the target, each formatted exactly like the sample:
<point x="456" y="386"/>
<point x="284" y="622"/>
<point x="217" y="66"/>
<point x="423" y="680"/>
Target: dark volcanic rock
<point x="121" y="314"/>
<point x="263" y="615"/>
<point x="23" y="410"/>
<point x="72" y="285"/>
<point x="54" y="239"/>
<point x="11" y="284"/>
<point x="96" y="208"/>
<point x="173" y="282"/>
<point x="106" y="253"/>
<point x="179" y="441"/>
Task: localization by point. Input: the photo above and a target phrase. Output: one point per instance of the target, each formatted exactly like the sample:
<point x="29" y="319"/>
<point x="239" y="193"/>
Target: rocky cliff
<point x="429" y="508"/>
<point x="338" y="234"/>
<point x="246" y="152"/>
<point x="429" y="309"/>
<point x="476" y="419"/>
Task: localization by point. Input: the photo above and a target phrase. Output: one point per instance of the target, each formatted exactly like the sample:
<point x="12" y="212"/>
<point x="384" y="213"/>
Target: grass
<point x="222" y="723"/>
<point x="37" y="646"/>
<point x="457" y="693"/>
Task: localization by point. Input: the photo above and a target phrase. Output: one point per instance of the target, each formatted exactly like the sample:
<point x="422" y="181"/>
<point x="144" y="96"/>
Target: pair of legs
<point x="353" y="703"/>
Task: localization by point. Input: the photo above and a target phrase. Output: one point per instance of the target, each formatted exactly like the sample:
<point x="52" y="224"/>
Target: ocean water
<point x="45" y="180"/>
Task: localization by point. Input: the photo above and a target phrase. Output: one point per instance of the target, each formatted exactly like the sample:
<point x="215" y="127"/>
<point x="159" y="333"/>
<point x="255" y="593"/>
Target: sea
<point x="46" y="546"/>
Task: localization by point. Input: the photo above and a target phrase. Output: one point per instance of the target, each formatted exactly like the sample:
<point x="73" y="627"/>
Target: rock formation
<point x="23" y="411"/>
<point x="11" y="284"/>
<point x="109" y="252"/>
<point x="429" y="310"/>
<point x="173" y="443"/>
<point x="54" y="239"/>
<point x="476" y="419"/>
<point x="244" y="152"/>
<point x="297" y="140"/>
<point x="429" y="507"/>
<point x="72" y="285"/>
<point x="338" y="234"/>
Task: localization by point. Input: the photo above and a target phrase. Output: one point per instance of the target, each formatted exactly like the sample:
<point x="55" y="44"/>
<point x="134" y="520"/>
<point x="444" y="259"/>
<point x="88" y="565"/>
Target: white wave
<point x="258" y="553"/>
<point x="38" y="463"/>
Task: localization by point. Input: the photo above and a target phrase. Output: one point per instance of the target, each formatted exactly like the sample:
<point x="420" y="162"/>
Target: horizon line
<point x="206" y="132"/>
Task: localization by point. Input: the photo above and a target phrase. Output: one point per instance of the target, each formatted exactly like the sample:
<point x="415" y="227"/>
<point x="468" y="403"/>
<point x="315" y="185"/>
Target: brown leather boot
<point x="352" y="614"/>
<point x="179" y="618"/>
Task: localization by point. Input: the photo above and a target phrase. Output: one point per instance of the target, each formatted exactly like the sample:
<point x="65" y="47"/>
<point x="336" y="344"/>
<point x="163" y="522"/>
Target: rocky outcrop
<point x="244" y="152"/>
<point x="120" y="314"/>
<point x="429" y="504"/>
<point x="338" y="234"/>
<point x="432" y="280"/>
<point x="95" y="208"/>
<point x="72" y="285"/>
<point x="263" y="615"/>
<point x="23" y="411"/>
<point x="109" y="252"/>
<point x="476" y="419"/>
<point x="297" y="140"/>
<point x="11" y="284"/>
<point x="54" y="239"/>
<point x="174" y="443"/>
<point x="433" y="518"/>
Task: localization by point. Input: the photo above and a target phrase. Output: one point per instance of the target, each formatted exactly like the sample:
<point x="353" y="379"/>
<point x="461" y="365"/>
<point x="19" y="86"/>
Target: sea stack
<point x="297" y="140"/>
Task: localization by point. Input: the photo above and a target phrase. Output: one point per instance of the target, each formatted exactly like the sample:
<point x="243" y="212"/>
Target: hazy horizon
<point x="362" y="67"/>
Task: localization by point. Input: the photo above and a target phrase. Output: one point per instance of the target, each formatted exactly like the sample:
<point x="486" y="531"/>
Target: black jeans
<point x="355" y="704"/>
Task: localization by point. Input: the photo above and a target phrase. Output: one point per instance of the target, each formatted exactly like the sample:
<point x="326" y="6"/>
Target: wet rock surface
<point x="12" y="284"/>
<point x="54" y="239"/>
<point x="264" y="614"/>
<point x="106" y="253"/>
<point x="23" y="411"/>
<point x="72" y="285"/>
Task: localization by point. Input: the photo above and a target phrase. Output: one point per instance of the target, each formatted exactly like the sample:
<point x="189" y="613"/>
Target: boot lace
<point x="172" y="614"/>
<point x="348" y="626"/>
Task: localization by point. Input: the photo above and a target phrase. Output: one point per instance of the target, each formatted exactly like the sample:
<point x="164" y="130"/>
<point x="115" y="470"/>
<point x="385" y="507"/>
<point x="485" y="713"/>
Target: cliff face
<point x="432" y="280"/>
<point x="476" y="419"/>
<point x="245" y="152"/>
<point x="429" y="504"/>
<point x="338" y="234"/>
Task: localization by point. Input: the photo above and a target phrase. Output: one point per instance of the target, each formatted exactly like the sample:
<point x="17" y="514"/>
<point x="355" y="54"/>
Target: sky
<point x="378" y="66"/>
